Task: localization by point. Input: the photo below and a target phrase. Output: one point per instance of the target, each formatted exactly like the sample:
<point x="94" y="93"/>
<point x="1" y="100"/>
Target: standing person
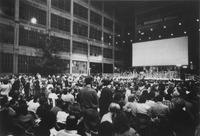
<point x="87" y="97"/>
<point x="105" y="98"/>
<point x="5" y="87"/>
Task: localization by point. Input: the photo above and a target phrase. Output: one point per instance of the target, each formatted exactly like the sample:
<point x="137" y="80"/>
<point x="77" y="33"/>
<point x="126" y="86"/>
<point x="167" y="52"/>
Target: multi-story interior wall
<point x="169" y="20"/>
<point x="83" y="33"/>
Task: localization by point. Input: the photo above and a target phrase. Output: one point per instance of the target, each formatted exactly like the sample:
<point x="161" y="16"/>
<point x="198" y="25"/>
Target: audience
<point x="98" y="105"/>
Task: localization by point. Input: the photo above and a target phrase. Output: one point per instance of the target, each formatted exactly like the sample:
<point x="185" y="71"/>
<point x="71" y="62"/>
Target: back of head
<point x="71" y="123"/>
<point x="88" y="80"/>
<point x="92" y="119"/>
<point x="120" y="123"/>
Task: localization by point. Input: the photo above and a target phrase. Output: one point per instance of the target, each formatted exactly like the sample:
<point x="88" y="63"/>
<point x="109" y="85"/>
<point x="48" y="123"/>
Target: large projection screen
<point x="173" y="51"/>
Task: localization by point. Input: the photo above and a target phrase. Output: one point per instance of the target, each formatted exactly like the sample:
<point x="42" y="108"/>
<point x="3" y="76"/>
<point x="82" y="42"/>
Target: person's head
<point x="106" y="129"/>
<point x="22" y="109"/>
<point x="121" y="123"/>
<point x="71" y="123"/>
<point x="131" y="98"/>
<point x="158" y="98"/>
<point x="75" y="109"/>
<point x="106" y="82"/>
<point x="3" y="100"/>
<point x="88" y="80"/>
<point x="5" y="81"/>
<point x="114" y="107"/>
<point x="92" y="119"/>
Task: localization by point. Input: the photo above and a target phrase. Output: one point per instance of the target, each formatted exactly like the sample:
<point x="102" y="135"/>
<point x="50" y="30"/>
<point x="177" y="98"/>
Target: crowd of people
<point x="67" y="105"/>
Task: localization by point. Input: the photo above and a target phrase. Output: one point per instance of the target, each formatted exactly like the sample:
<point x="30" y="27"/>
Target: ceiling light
<point x="149" y="38"/>
<point x="118" y="35"/>
<point x="123" y="41"/>
<point x="159" y="36"/>
<point x="142" y="33"/>
<point x="110" y="37"/>
<point x="116" y="42"/>
<point x="33" y="20"/>
<point x="128" y="33"/>
<point x="164" y="27"/>
<point x="180" y="23"/>
<point x="151" y="29"/>
<point x="140" y="39"/>
<point x="172" y="34"/>
<point x="197" y="20"/>
<point x="139" y="31"/>
<point x="131" y="40"/>
<point x="185" y="32"/>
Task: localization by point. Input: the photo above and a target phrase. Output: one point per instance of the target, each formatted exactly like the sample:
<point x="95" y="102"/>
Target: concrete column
<point x="16" y="38"/>
<point x="71" y="34"/>
<point x="102" y="26"/>
<point x="48" y="25"/>
<point x="88" y="44"/>
<point x="199" y="42"/>
<point x="0" y="60"/>
<point x="113" y="40"/>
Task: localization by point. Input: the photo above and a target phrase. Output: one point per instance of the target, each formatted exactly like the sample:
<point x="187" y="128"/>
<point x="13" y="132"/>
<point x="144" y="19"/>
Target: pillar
<point x="88" y="44"/>
<point x="71" y="34"/>
<point x="16" y="38"/>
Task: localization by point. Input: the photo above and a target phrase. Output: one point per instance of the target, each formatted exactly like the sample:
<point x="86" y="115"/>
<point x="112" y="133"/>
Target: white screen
<point x="172" y="51"/>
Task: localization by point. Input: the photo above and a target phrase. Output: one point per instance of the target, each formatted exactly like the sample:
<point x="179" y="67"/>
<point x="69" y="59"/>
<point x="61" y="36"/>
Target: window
<point x="80" y="11"/>
<point x="95" y="33"/>
<point x="108" y="23"/>
<point x="107" y="53"/>
<point x="86" y="1"/>
<point x="107" y="68"/>
<point x="6" y="62"/>
<point x="80" y="29"/>
<point x="95" y="18"/>
<point x="118" y="55"/>
<point x="27" y="64"/>
<point x="7" y="8"/>
<point x="95" y="51"/>
<point x="97" y="4"/>
<point x="31" y="37"/>
<point x="118" y="28"/>
<point x="107" y="38"/>
<point x="79" y="67"/>
<point x="27" y="12"/>
<point x="60" y="44"/>
<point x="61" y="4"/>
<point x="60" y="23"/>
<point x="42" y="1"/>
<point x="80" y="48"/>
<point x="6" y="34"/>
